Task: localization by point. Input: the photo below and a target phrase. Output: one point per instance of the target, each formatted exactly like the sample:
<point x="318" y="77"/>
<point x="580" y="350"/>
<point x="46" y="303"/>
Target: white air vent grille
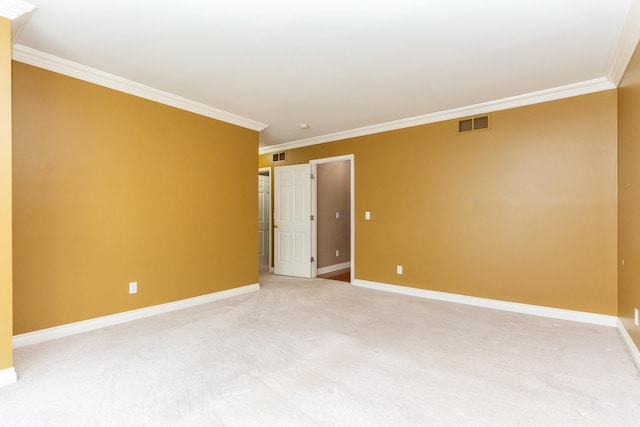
<point x="471" y="124"/>
<point x="279" y="157"/>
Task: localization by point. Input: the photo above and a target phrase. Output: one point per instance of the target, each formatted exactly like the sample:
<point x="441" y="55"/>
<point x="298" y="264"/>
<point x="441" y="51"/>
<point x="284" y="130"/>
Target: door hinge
<point x="312" y="176"/>
<point x="313" y="259"/>
<point x="312" y="218"/>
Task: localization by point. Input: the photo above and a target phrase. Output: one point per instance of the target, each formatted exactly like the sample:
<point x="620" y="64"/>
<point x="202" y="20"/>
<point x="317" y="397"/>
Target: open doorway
<point x="295" y="224"/>
<point x="264" y="219"/>
<point x="332" y="205"/>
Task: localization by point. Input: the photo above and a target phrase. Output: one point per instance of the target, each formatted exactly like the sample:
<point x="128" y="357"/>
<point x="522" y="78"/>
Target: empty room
<point x="444" y="228"/>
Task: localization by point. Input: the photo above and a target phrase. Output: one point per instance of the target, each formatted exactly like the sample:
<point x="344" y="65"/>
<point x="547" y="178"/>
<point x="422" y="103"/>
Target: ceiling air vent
<point x="279" y="157"/>
<point x="473" y="123"/>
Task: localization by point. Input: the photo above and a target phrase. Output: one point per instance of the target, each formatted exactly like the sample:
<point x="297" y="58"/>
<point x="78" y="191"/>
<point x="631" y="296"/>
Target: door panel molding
<point x="292" y="220"/>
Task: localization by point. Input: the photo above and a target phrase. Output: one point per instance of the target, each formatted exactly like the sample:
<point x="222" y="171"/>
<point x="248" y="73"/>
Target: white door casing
<point x="314" y="208"/>
<point x="292" y="220"/>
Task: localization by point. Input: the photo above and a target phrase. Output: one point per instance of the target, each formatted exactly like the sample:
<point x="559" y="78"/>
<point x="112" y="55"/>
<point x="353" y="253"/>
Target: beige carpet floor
<point x="325" y="353"/>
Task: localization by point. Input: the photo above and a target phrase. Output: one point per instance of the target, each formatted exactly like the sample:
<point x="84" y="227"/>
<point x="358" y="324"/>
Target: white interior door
<point x="292" y="220"/>
<point x="264" y="214"/>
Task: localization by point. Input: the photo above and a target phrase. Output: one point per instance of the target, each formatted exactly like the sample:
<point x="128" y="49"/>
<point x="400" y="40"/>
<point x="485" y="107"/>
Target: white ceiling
<point x="336" y="65"/>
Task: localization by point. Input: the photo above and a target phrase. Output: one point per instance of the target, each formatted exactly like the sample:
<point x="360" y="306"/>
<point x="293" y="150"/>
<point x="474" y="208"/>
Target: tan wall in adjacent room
<point x="111" y="188"/>
<point x="334" y="195"/>
<point x="522" y="212"/>
<point x="6" y="306"/>
<point x="629" y="197"/>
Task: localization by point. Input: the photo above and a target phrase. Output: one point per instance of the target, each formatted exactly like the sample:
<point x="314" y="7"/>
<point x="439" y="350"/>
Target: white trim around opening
<point x="314" y="209"/>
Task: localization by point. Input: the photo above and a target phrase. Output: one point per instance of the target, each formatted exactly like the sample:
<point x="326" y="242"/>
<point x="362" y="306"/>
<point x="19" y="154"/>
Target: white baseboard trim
<point x="635" y="353"/>
<point x="334" y="267"/>
<point x="127" y="316"/>
<point x="8" y="376"/>
<point x="536" y="310"/>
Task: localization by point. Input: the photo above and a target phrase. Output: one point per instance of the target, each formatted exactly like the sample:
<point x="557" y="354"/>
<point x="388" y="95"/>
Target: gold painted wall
<point x="6" y="307"/>
<point x="629" y="197"/>
<point x="523" y="212"/>
<point x="110" y="188"/>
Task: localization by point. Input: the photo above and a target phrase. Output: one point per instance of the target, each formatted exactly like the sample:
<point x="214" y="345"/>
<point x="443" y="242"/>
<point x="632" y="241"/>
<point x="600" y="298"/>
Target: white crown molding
<point x="535" y="310"/>
<point x="567" y="91"/>
<point x="72" y="69"/>
<point x="8" y="376"/>
<point x="19" y="12"/>
<point x="127" y="316"/>
<point x="626" y="46"/>
<point x="13" y="9"/>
